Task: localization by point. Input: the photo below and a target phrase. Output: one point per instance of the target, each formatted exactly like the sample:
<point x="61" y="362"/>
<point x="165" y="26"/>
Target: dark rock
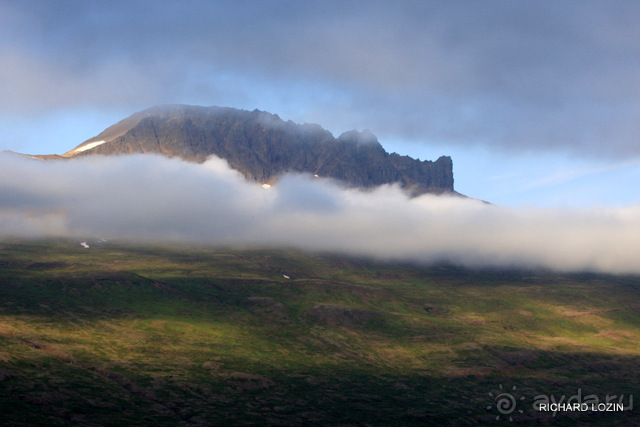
<point x="263" y="147"/>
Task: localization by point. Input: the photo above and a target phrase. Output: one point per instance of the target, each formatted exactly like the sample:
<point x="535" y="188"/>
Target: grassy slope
<point x="122" y="335"/>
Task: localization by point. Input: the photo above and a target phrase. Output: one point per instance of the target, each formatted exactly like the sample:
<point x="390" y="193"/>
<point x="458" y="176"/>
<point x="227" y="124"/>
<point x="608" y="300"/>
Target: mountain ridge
<point x="263" y="147"/>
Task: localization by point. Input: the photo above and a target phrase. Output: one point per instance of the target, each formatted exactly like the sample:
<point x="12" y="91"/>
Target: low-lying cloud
<point x="147" y="199"/>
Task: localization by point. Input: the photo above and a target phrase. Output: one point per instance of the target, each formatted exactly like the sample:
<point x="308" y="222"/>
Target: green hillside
<point x="152" y="335"/>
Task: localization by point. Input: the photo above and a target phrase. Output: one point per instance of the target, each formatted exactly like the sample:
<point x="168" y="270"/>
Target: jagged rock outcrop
<point x="263" y="147"/>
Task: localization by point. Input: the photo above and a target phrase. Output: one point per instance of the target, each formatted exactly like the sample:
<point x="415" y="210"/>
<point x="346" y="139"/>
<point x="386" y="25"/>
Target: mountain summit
<point x="263" y="147"/>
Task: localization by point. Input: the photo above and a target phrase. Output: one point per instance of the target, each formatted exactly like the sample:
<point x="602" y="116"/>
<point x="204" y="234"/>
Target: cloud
<point x="524" y="76"/>
<point x="153" y="199"/>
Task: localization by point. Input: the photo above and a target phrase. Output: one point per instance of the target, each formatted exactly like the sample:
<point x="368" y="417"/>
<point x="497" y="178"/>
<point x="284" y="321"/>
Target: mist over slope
<point x="154" y="199"/>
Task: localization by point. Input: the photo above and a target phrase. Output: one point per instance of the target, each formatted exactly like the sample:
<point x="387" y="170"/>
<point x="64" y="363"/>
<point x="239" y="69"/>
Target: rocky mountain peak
<point x="263" y="147"/>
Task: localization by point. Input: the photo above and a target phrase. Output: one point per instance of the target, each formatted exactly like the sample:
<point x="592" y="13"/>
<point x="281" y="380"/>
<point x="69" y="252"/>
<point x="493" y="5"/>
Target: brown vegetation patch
<point x="212" y="365"/>
<point x="519" y="357"/>
<point x="5" y="373"/>
<point x="614" y="335"/>
<point x="43" y="266"/>
<point x="267" y="306"/>
<point x="340" y="315"/>
<point x="244" y="381"/>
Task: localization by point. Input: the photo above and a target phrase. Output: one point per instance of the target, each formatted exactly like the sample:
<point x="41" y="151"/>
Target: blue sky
<point x="538" y="103"/>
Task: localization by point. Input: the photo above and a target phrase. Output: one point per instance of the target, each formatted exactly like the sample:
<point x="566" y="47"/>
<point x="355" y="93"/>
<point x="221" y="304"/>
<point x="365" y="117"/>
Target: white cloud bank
<point x="149" y="198"/>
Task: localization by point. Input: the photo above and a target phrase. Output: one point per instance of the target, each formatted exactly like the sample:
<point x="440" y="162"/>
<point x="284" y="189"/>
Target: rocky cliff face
<point x="263" y="147"/>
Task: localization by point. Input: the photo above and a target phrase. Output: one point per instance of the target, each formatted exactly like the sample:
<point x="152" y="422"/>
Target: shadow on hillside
<point x="52" y="390"/>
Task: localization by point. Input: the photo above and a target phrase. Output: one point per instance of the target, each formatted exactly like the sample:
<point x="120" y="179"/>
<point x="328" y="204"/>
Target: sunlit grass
<point x="196" y="335"/>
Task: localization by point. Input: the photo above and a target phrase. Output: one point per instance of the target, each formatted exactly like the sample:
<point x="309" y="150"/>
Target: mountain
<point x="263" y="147"/>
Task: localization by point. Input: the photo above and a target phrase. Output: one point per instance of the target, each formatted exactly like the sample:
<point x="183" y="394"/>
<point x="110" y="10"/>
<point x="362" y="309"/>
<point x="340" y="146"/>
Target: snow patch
<point x="84" y="245"/>
<point x="286" y="277"/>
<point x="88" y="146"/>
